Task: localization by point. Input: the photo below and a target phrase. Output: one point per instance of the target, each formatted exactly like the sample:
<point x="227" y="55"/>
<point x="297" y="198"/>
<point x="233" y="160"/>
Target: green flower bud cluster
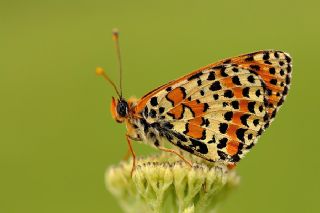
<point x="163" y="183"/>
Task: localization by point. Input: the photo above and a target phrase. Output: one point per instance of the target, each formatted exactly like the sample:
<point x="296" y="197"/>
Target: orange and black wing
<point x="218" y="111"/>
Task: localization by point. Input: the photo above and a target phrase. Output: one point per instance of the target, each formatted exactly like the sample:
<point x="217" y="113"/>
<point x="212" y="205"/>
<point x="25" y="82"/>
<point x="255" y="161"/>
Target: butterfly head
<point x="119" y="109"/>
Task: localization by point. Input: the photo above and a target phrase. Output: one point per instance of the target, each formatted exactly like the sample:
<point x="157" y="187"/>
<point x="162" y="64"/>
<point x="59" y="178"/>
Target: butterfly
<point x="216" y="112"/>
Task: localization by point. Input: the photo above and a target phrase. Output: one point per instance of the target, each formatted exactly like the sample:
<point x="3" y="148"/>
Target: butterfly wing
<point x="218" y="111"/>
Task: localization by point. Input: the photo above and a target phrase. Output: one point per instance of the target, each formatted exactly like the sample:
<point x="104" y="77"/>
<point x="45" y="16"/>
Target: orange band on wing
<point x="196" y="121"/>
<point x="236" y="118"/>
<point x="176" y="112"/>
<point x="176" y="96"/>
<point x="237" y="92"/>
<point x="197" y="108"/>
<point x="231" y="132"/>
<point x="244" y="105"/>
<point x="195" y="131"/>
<point x="232" y="147"/>
<point x="228" y="82"/>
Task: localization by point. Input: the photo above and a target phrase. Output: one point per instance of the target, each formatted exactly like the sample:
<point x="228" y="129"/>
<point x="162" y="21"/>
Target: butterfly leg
<point x="133" y="155"/>
<point x="127" y="155"/>
<point x="175" y="152"/>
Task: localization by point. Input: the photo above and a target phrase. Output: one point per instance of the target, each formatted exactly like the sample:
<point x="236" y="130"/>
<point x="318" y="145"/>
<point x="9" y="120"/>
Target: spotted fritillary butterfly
<point x="216" y="112"/>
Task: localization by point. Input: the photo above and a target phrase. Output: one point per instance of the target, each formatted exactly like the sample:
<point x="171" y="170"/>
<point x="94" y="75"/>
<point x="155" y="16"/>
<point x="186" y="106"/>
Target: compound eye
<point x="122" y="108"/>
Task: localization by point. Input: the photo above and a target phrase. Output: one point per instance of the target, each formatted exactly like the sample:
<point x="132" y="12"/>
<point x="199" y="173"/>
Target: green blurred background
<point x="58" y="137"/>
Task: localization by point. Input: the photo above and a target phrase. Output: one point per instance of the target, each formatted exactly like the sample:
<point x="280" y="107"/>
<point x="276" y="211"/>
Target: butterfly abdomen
<point x="146" y="132"/>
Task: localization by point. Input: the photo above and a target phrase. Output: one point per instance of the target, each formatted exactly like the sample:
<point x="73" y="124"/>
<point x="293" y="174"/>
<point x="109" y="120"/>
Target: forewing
<point x="219" y="111"/>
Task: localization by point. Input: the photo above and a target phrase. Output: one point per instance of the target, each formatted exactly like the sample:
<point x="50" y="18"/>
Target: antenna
<point x="115" y="36"/>
<point x="100" y="71"/>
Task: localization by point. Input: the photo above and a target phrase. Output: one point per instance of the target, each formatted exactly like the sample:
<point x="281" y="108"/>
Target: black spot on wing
<point x="152" y="113"/>
<point x="288" y="79"/>
<point x="267" y="62"/>
<point x="281" y="101"/>
<point x="235" y="104"/>
<point x="244" y="119"/>
<point x="251" y="79"/>
<point x="215" y="96"/>
<point x="288" y="59"/>
<point x="146" y="112"/>
<point x="269" y="92"/>
<point x="183" y="90"/>
<point x="285" y="91"/>
<point x="240" y="133"/>
<point x="234" y="69"/>
<point x="228" y="116"/>
<point x="245" y="92"/>
<point x="179" y="136"/>
<point x="204" y="135"/>
<point x="223" y="72"/>
<point x="198" y="146"/>
<point x="222" y="143"/>
<point x="251" y="106"/>
<point x="213" y="140"/>
<point x="250" y="146"/>
<point x="161" y="110"/>
<point x="227" y="61"/>
<point x="266" y="56"/>
<point x="255" y="67"/>
<point x="186" y="128"/>
<point x="197" y="75"/>
<point x="235" y="158"/>
<point x="223" y="128"/>
<point x="273" y="81"/>
<point x="154" y="101"/>
<point x="236" y="80"/>
<point x="215" y="86"/>
<point x="258" y="93"/>
<point x="222" y="155"/>
<point x="205" y="107"/>
<point x="211" y="76"/>
<point x="272" y="70"/>
<point x="220" y="67"/>
<point x="249" y="58"/>
<point x="228" y="94"/>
